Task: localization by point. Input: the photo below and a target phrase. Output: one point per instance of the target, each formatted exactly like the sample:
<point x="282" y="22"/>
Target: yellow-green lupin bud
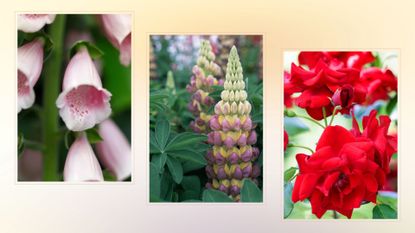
<point x="232" y="157"/>
<point x="205" y="74"/>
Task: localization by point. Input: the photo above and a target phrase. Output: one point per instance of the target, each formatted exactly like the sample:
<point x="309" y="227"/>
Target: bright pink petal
<point x="114" y="151"/>
<point x="81" y="163"/>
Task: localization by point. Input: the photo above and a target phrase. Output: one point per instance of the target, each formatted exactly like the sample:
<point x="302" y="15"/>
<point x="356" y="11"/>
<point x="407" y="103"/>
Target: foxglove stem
<point x="51" y="84"/>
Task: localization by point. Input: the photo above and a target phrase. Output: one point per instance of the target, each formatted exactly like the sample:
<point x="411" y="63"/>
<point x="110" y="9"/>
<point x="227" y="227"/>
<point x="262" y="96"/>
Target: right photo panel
<point x="340" y="134"/>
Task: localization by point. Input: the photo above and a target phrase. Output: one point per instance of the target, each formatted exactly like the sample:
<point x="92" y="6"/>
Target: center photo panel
<point x="206" y="121"/>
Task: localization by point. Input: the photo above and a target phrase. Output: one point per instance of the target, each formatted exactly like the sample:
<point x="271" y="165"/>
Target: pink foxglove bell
<point x="117" y="27"/>
<point x="33" y="22"/>
<point x="29" y="67"/>
<point x="233" y="156"/>
<point x="83" y="102"/>
<point x="114" y="150"/>
<point x="81" y="163"/>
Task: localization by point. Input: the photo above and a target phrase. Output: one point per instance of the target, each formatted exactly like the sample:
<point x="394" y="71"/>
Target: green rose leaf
<point x="383" y="211"/>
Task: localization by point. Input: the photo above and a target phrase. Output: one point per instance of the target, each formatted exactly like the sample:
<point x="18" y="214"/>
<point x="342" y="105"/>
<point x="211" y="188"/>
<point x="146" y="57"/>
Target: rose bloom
<point x="340" y="175"/>
<point x="338" y="59"/>
<point x="379" y="83"/>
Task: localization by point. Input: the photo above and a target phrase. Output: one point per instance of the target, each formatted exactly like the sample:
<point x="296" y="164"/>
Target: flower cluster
<point x="204" y="77"/>
<point x="332" y="82"/>
<point x="83" y="103"/>
<point x="232" y="157"/>
<point x="348" y="168"/>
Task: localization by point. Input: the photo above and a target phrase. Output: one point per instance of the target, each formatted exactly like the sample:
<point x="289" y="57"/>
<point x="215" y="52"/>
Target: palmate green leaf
<point x="159" y="160"/>
<point x="383" y="211"/>
<point x="189" y="155"/>
<point x="157" y="100"/>
<point x="175" y="168"/>
<point x="154" y="183"/>
<point x="185" y="140"/>
<point x="212" y="195"/>
<point x="189" y="166"/>
<point x="162" y="132"/>
<point x="289" y="174"/>
<point x="250" y="192"/>
<point x="154" y="146"/>
<point x="288" y="204"/>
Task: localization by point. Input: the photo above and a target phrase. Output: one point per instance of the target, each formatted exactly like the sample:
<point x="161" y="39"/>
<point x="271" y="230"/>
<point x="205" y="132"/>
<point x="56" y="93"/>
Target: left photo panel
<point x="74" y="97"/>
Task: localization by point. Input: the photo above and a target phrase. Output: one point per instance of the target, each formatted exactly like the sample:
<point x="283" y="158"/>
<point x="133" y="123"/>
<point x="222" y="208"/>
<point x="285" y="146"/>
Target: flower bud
<point x="252" y="138"/>
<point x="33" y="22"/>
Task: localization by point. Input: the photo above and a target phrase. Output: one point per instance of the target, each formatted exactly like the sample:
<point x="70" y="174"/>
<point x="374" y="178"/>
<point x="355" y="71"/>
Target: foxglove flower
<point x="204" y="77"/>
<point x="81" y="163"/>
<point x="232" y="157"/>
<point x="118" y="30"/>
<point x="83" y="101"/>
<point x="29" y="67"/>
<point x="114" y="150"/>
<point x="33" y="22"/>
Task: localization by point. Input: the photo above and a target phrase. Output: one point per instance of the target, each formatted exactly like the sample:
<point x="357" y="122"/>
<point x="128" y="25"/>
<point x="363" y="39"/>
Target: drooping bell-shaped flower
<point x="117" y="27"/>
<point x="205" y="74"/>
<point x="29" y="67"/>
<point x="33" y="22"/>
<point x="81" y="163"/>
<point x="114" y="150"/>
<point x="83" y="101"/>
<point x="233" y="156"/>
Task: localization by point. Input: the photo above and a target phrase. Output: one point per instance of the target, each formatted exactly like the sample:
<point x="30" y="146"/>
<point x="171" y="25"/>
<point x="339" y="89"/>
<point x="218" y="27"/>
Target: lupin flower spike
<point x="232" y="157"/>
<point x="205" y="74"/>
<point x="83" y="101"/>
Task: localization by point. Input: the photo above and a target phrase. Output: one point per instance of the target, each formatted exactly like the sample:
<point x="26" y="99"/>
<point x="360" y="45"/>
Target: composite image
<point x="340" y="134"/>
<point x="74" y="97"/>
<point x="206" y="118"/>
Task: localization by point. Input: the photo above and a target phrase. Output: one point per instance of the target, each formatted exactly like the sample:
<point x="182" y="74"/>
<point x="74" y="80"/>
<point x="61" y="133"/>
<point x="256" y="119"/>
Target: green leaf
<point x="191" y="183"/>
<point x="175" y="168"/>
<point x="154" y="146"/>
<point x="289" y="174"/>
<point x="93" y="136"/>
<point x="154" y="182"/>
<point x="159" y="160"/>
<point x="162" y="132"/>
<point x="20" y="143"/>
<point x="184" y="141"/>
<point x="189" y="155"/>
<point x="93" y="50"/>
<point x="294" y="125"/>
<point x="250" y="192"/>
<point x="288" y="204"/>
<point x="189" y="166"/>
<point x="391" y="104"/>
<point x="212" y="195"/>
<point x="383" y="211"/>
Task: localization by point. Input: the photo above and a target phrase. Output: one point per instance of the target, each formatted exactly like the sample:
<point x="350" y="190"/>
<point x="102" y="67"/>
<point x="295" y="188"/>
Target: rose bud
<point x="343" y="96"/>
<point x="29" y="67"/>
<point x="114" y="150"/>
<point x="81" y="163"/>
<point x="83" y="101"/>
<point x="117" y="27"/>
<point x="33" y="22"/>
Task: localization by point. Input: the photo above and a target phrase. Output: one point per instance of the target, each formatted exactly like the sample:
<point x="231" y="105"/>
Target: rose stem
<point x="325" y="116"/>
<point x="335" y="216"/>
<point x="303" y="147"/>
<point x="334" y="113"/>
<point x="310" y="119"/>
<point x="51" y="87"/>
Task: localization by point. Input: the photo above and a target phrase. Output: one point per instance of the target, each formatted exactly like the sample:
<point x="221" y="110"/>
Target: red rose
<point x="340" y="175"/>
<point x="285" y="140"/>
<point x="377" y="131"/>
<point x="379" y="83"/>
<point x="338" y="59"/>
